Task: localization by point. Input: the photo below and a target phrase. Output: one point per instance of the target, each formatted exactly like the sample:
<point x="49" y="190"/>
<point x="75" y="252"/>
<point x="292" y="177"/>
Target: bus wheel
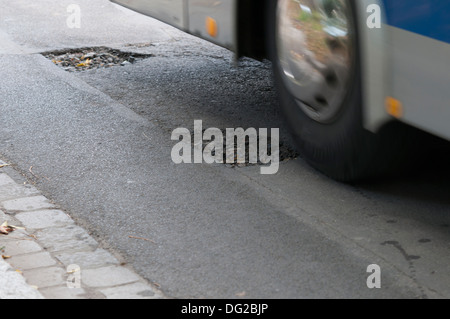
<point x="314" y="49"/>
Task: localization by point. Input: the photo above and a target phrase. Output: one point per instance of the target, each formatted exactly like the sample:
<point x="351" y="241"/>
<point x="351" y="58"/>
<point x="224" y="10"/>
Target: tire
<point x="336" y="144"/>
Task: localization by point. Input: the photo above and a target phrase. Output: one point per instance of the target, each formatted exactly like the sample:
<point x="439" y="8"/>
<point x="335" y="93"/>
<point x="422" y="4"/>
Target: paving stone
<point x="6" y="180"/>
<point x="45" y="277"/>
<point x="31" y="261"/>
<point x="19" y="247"/>
<point x="131" y="291"/>
<point x="44" y="219"/>
<point x="18" y="234"/>
<point x="27" y="204"/>
<point x="87" y="259"/>
<point x="107" y="276"/>
<point x="4" y="217"/>
<point x="63" y="292"/>
<point x="14" y="236"/>
<point x="70" y="238"/>
<point x="13" y="285"/>
<point x="13" y="191"/>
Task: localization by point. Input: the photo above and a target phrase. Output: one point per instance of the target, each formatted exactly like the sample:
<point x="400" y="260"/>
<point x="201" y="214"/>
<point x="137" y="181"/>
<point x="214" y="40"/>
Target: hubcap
<point x="315" y="50"/>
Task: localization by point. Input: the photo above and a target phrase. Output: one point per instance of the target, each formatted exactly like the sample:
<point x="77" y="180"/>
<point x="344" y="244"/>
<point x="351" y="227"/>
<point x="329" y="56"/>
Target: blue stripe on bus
<point x="430" y="18"/>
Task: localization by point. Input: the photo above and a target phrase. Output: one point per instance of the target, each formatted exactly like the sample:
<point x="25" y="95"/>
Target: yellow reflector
<point x="211" y="27"/>
<point x="394" y="107"/>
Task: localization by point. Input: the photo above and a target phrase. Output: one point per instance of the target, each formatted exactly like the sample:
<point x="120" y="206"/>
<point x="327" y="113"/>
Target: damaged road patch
<point x="83" y="59"/>
<point x="232" y="149"/>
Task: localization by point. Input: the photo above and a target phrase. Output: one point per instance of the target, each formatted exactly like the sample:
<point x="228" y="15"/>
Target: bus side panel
<point x="429" y="18"/>
<point x="374" y="54"/>
<point x="419" y="36"/>
<point x="420" y="76"/>
<point x="221" y="13"/>
<point x="172" y="12"/>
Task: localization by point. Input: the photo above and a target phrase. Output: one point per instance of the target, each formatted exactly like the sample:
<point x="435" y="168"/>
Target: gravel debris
<point x="83" y="59"/>
<point x="286" y="153"/>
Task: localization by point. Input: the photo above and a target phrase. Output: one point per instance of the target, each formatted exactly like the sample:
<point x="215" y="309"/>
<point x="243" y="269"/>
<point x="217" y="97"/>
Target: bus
<point x="356" y="78"/>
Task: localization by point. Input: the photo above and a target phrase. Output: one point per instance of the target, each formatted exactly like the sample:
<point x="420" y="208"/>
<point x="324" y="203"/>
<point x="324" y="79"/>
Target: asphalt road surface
<point x="99" y="145"/>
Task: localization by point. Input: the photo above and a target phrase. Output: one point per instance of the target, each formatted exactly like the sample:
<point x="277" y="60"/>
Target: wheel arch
<point x="251" y="29"/>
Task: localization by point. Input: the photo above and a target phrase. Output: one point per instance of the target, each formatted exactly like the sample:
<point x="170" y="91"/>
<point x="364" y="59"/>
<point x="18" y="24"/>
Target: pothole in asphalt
<point x="83" y="59"/>
<point x="286" y="153"/>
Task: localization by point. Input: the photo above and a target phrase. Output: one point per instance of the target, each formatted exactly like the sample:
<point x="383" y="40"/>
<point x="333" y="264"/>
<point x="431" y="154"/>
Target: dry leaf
<point x="157" y="285"/>
<point x="85" y="63"/>
<point x="16" y="227"/>
<point x="5" y="229"/>
<point x="73" y="271"/>
<point x="32" y="236"/>
<point x="5" y="257"/>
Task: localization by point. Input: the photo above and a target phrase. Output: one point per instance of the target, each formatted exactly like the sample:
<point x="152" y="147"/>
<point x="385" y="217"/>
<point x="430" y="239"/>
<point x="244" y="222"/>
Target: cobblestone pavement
<point x="49" y="256"/>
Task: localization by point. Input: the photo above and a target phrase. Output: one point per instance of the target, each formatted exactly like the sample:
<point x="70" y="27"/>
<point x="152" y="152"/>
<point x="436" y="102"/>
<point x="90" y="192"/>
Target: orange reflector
<point x="394" y="107"/>
<point x="211" y="27"/>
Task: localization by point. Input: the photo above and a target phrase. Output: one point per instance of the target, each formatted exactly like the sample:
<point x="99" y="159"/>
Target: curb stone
<point x="53" y="258"/>
<point x="13" y="285"/>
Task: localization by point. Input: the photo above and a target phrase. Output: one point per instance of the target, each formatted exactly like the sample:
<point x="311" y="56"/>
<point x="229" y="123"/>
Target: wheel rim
<point x="315" y="49"/>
